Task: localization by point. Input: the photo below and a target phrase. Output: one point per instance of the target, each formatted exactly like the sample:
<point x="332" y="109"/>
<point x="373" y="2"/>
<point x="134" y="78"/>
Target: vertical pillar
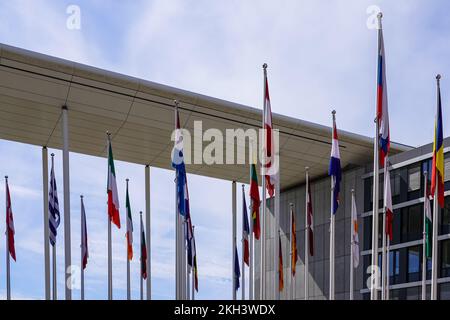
<point x="46" y="220"/>
<point x="233" y="209"/>
<point x="148" y="234"/>
<point x="66" y="178"/>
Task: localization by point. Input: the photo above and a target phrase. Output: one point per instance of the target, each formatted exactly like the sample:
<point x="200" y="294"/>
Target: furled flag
<point x="255" y="201"/>
<point x="280" y="266"/>
<point x="237" y="270"/>
<point x="195" y="266"/>
<point x="428" y="222"/>
<point x="310" y="224"/>
<point x="10" y="224"/>
<point x="293" y="242"/>
<point x="84" y="238"/>
<point x="355" y="236"/>
<point x="437" y="177"/>
<point x="129" y="233"/>
<point x="113" y="197"/>
<point x="335" y="166"/>
<point x="388" y="200"/>
<point x="53" y="207"/>
<point x="143" y="253"/>
<point x="245" y="230"/>
<point x="189" y="233"/>
<point x="382" y="102"/>
<point x="179" y="166"/>
<point x="269" y="143"/>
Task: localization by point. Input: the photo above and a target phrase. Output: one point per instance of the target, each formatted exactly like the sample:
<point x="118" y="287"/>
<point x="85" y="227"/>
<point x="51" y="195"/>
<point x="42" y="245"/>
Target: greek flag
<point x="53" y="207"/>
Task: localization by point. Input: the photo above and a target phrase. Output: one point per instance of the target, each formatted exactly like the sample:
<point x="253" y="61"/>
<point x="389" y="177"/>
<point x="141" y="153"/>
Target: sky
<point x="321" y="56"/>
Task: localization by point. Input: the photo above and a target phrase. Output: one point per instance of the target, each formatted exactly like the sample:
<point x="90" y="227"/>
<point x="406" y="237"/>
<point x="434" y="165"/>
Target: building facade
<point x="405" y="259"/>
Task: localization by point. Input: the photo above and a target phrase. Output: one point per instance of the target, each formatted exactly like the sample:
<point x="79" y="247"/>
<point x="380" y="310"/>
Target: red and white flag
<point x="113" y="197"/>
<point x="269" y="152"/>
<point x="10" y="224"/>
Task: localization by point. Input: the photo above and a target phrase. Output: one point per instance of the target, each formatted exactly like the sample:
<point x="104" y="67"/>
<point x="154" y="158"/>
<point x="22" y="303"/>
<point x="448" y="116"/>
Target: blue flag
<point x="237" y="271"/>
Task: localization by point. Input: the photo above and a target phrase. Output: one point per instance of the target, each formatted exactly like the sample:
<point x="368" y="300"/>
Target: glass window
<point x="445" y="217"/>
<point x="367" y="245"/>
<point x="413" y="293"/>
<point x="397" y="294"/>
<point x="445" y="258"/>
<point x="395" y="183"/>
<point x="444" y="291"/>
<point x="412" y="221"/>
<point x="414" y="178"/>
<point x="447" y="168"/>
<point x="394" y="266"/>
<point x="414" y="264"/>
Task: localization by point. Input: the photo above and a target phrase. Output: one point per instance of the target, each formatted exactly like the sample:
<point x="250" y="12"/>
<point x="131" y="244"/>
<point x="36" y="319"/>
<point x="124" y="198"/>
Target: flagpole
<point x="387" y="268"/>
<point x="424" y="239"/>
<point x="264" y="204"/>
<point x="141" y="279"/>
<point x="55" y="286"/>
<point x="81" y="233"/>
<point x="148" y="281"/>
<point x="332" y="222"/>
<point x="193" y="271"/>
<point x="188" y="275"/>
<point x="250" y="272"/>
<point x="352" y="245"/>
<point x="128" y="259"/>
<point x="291" y="206"/>
<point x="383" y="254"/>
<point x="177" y="230"/>
<point x="307" y="235"/>
<point x="110" y="283"/>
<point x="183" y="257"/>
<point x="277" y="228"/>
<point x="46" y="221"/>
<point x="242" y="245"/>
<point x="374" y="263"/>
<point x="233" y="242"/>
<point x="434" y="247"/>
<point x="8" y="276"/>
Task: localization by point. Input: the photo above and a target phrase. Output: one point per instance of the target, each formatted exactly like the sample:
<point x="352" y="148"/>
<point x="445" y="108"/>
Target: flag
<point x="143" y="253"/>
<point x="437" y="178"/>
<point x="245" y="230"/>
<point x="10" y="224"/>
<point x="129" y="233"/>
<point x="388" y="200"/>
<point x="310" y="223"/>
<point x="382" y="103"/>
<point x="428" y="222"/>
<point x="113" y="197"/>
<point x="280" y="266"/>
<point x="179" y="166"/>
<point x="269" y="147"/>
<point x="237" y="271"/>
<point x="255" y="201"/>
<point x="54" y="217"/>
<point x="335" y="167"/>
<point x="355" y="236"/>
<point x="293" y="242"/>
<point x="84" y="239"/>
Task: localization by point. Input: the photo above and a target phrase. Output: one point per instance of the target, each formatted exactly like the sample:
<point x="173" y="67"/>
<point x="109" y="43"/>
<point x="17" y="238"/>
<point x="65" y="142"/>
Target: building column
<point x="46" y="221"/>
<point x="148" y="233"/>
<point x="66" y="179"/>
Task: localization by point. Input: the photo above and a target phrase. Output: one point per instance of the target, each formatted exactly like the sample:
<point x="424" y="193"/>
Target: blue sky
<point x="321" y="55"/>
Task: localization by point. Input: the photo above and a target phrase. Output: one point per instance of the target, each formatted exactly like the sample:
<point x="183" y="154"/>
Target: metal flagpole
<point x="183" y="257"/>
<point x="55" y="286"/>
<point x="291" y="206"/>
<point x="352" y="245"/>
<point x="141" y="279"/>
<point x="424" y="239"/>
<point x="434" y="247"/>
<point x="66" y="179"/>
<point x="188" y="276"/>
<point x="148" y="234"/>
<point x="332" y="222"/>
<point x="46" y="221"/>
<point x="264" y="203"/>
<point x="251" y="260"/>
<point x="387" y="268"/>
<point x="128" y="264"/>
<point x="193" y="271"/>
<point x="242" y="255"/>
<point x="8" y="276"/>
<point x="277" y="230"/>
<point x="383" y="257"/>
<point x="81" y="233"/>
<point x="110" y="282"/>
<point x="177" y="229"/>
<point x="233" y="242"/>
<point x="306" y="235"/>
<point x="374" y="263"/>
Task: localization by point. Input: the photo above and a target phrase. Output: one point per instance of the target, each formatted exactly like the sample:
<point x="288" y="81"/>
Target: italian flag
<point x="428" y="225"/>
<point x="113" y="197"/>
<point x="129" y="233"/>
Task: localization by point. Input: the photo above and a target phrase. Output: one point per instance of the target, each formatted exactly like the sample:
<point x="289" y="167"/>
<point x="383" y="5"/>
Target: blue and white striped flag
<point x="53" y="207"/>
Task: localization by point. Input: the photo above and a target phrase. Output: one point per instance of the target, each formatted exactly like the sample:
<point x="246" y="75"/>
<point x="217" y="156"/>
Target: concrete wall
<point x="319" y="263"/>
